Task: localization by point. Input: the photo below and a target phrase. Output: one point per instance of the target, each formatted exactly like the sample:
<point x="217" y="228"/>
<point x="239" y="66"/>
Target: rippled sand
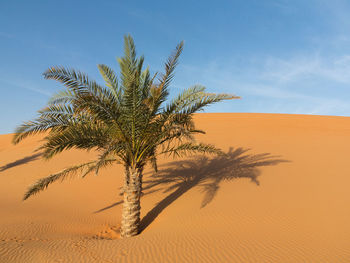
<point x="281" y="195"/>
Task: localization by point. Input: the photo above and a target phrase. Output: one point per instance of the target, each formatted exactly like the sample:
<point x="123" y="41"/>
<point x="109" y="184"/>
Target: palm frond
<point x="204" y="100"/>
<point x="111" y="79"/>
<point x="130" y="120"/>
<point x="41" y="125"/>
<point x="78" y="83"/>
<point x="170" y="66"/>
<point x="77" y="135"/>
<point x="109" y="155"/>
<point x="72" y="79"/>
<point x="62" y="97"/>
<point x="43" y="183"/>
<point x="191" y="148"/>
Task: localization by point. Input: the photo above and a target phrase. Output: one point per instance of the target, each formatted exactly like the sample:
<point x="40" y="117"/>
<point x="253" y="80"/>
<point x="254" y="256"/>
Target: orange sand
<point x="282" y="195"/>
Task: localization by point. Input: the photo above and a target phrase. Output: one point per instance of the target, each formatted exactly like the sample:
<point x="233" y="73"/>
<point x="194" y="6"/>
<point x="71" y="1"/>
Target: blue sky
<point x="281" y="56"/>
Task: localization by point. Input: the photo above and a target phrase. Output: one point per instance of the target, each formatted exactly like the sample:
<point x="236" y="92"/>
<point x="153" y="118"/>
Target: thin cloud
<point x="6" y="35"/>
<point x="335" y="69"/>
<point x="25" y="87"/>
<point x="281" y="85"/>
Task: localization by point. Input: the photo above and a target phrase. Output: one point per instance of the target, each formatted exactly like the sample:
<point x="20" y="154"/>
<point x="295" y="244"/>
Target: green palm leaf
<point x="43" y="183"/>
<point x="129" y="121"/>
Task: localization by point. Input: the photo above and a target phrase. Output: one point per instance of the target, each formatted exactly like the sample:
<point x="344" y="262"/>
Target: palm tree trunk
<point x="131" y="206"/>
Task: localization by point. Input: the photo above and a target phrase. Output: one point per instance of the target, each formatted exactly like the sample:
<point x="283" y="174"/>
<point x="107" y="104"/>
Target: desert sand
<point x="281" y="195"/>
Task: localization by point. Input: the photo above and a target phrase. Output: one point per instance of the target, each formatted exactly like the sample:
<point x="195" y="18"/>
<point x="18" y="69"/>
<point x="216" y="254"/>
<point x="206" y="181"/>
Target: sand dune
<point x="281" y="195"/>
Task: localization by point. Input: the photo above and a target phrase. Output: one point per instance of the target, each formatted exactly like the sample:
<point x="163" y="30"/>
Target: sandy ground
<point x="281" y="195"/>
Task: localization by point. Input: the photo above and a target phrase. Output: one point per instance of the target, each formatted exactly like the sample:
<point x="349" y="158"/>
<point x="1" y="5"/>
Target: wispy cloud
<point x="336" y="69"/>
<point x="309" y="83"/>
<point x="25" y="86"/>
<point x="6" y="35"/>
<point x="42" y="43"/>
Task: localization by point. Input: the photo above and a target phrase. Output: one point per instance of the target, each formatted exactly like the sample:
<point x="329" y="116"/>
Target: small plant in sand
<point x="130" y="121"/>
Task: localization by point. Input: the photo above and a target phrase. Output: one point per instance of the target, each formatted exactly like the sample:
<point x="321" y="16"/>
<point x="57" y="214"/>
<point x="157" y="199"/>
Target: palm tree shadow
<point x="21" y="161"/>
<point x="207" y="173"/>
<point x="121" y="201"/>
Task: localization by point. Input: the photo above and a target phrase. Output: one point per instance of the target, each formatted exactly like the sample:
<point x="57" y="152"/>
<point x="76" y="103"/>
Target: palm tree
<point x="130" y="121"/>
